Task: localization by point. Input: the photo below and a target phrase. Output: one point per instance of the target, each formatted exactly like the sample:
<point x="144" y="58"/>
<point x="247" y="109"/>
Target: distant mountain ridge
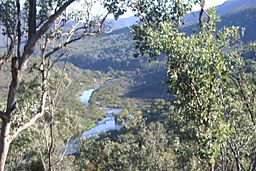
<point x="232" y="5"/>
<point x="225" y="8"/>
<point x="122" y="22"/>
<point x="116" y="49"/>
<point x="114" y="52"/>
<point x="243" y="18"/>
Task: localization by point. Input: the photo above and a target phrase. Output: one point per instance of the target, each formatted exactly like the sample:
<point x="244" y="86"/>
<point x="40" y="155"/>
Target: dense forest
<point x="163" y="94"/>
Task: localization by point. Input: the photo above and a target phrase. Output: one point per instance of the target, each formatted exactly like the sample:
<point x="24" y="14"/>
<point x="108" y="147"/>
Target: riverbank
<point x="108" y="123"/>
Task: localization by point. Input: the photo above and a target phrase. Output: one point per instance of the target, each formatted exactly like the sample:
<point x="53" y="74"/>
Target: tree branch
<point x="18" y="28"/>
<point x="56" y="60"/>
<point x="52" y="18"/>
<point x="29" y="48"/>
<point x="253" y="162"/>
<point x="2" y="116"/>
<point x="192" y="86"/>
<point x="51" y="147"/>
<point x="202" y="11"/>
<point x="236" y="154"/>
<point x="242" y="95"/>
<point x="61" y="46"/>
<point x="103" y="21"/>
<point x="54" y="101"/>
<point x="31" y="19"/>
<point x="7" y="55"/>
<point x="39" y="114"/>
<point x="41" y="109"/>
<point x="61" y="156"/>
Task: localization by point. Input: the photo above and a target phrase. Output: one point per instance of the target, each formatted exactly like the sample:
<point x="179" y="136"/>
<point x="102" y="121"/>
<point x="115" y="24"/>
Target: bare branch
<point x="61" y="46"/>
<point x="103" y="21"/>
<point x="29" y="48"/>
<point x="18" y="28"/>
<point x="240" y="86"/>
<point x="32" y="19"/>
<point x="52" y="18"/>
<point x="68" y="41"/>
<point x="2" y="116"/>
<point x="7" y="55"/>
<point x="54" y="102"/>
<point x="41" y="109"/>
<point x="39" y="114"/>
<point x="54" y="62"/>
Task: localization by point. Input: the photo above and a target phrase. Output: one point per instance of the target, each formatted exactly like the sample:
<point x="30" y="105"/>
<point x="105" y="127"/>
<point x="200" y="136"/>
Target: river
<point x="106" y="124"/>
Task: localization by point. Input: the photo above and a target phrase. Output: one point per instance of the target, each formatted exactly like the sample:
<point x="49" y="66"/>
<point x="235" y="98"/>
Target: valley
<point x="169" y="94"/>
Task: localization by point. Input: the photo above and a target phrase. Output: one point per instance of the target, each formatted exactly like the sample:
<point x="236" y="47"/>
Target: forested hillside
<point x="244" y="18"/>
<point x="163" y="95"/>
<point x="116" y="50"/>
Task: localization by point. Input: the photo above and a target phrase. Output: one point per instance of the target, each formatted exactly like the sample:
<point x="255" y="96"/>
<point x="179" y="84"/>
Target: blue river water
<point x="106" y="124"/>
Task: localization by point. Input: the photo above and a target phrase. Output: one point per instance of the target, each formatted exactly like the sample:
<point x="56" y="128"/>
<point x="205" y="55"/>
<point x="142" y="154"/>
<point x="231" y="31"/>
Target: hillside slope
<point x="244" y="18"/>
<point x="227" y="7"/>
<point x="115" y="51"/>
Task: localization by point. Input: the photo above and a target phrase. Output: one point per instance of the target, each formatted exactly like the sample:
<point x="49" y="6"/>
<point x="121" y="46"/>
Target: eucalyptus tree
<point x="50" y="25"/>
<point x="214" y="100"/>
<point x="39" y="147"/>
<point x="143" y="147"/>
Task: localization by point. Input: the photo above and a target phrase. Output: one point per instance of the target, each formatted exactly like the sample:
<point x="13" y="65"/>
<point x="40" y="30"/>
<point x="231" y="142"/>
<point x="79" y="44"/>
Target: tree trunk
<point x="4" y="143"/>
<point x="17" y="75"/>
<point x="5" y="138"/>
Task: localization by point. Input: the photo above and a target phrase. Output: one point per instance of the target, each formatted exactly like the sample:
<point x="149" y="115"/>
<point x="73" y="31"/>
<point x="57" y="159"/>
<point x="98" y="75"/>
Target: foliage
<point x="68" y="120"/>
<point x="244" y="18"/>
<point x="208" y="124"/>
<point x="110" y="94"/>
<point x="52" y="25"/>
<point x="6" y="17"/>
<point x="52" y="131"/>
<point x="214" y="97"/>
<point x="141" y="148"/>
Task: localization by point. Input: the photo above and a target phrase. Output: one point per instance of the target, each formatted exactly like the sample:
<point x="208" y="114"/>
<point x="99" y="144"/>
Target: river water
<point x="106" y="124"/>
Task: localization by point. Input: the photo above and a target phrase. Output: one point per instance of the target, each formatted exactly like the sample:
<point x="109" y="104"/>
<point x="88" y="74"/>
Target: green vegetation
<point x="192" y="107"/>
<point x="209" y="124"/>
<point x="69" y="119"/>
<point x="113" y="51"/>
<point x="244" y="18"/>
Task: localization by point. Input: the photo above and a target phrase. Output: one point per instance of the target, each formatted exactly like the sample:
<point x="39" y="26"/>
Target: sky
<point x="208" y="3"/>
<point x="98" y="10"/>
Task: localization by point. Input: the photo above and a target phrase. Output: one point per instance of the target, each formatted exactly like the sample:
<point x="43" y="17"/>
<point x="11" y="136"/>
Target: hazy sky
<point x="97" y="8"/>
<point x="209" y="3"/>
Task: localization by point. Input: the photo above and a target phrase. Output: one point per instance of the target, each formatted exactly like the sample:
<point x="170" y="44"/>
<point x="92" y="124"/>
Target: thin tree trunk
<point x="17" y="75"/>
<point x="5" y="138"/>
<point x="4" y="143"/>
<point x="212" y="167"/>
